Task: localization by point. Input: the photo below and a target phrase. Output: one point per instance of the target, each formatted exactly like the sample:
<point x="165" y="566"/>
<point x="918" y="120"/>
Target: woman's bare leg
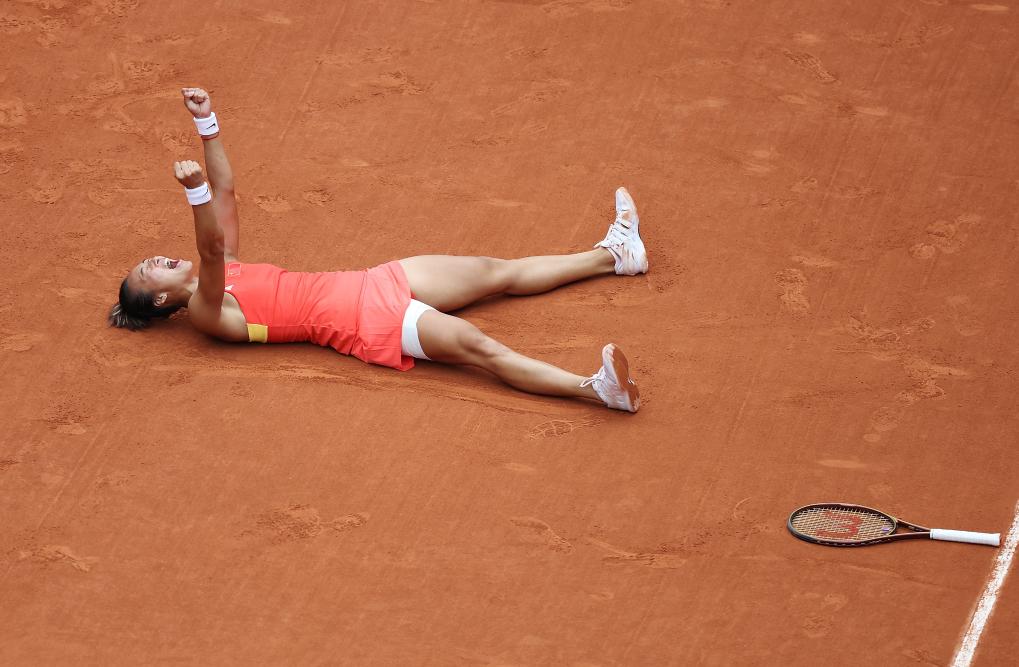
<point x="451" y="340"/>
<point x="448" y="282"/>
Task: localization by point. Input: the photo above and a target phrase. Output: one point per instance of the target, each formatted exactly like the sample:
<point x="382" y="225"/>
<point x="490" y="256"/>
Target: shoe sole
<point x="636" y="228"/>
<point x="621" y="367"/>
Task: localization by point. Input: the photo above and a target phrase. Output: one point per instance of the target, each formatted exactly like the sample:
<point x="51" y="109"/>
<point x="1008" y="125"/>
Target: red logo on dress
<point x="233" y="269"/>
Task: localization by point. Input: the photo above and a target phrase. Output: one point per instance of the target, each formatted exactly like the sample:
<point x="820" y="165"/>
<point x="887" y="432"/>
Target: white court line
<point x="964" y="656"/>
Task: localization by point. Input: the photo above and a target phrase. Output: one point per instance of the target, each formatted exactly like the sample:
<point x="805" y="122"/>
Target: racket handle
<point x="991" y="539"/>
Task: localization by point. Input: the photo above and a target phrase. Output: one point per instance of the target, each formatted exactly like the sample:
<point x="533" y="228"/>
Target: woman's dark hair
<point x="136" y="309"/>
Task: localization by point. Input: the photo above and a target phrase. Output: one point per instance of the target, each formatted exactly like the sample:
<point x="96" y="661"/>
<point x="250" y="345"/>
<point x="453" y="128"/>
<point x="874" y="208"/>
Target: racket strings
<point x="842" y="524"/>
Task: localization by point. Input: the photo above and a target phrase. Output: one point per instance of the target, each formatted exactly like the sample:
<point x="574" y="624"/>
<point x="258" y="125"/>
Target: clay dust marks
<point x="568" y="8"/>
<point x="274" y="203"/>
<point x="963" y="316"/>
<point x="556" y="428"/>
<point x="871" y="111"/>
<point x="651" y="559"/>
<point x="13" y="112"/>
<point x="54" y="554"/>
<point x="178" y="143"/>
<point x="48" y="30"/>
<point x="994" y="9"/>
<point x="397" y="81"/>
<point x="115" y="8"/>
<point x="817" y="612"/>
<point x="542" y="92"/>
<point x="568" y="342"/>
<point x="67" y="417"/>
<point x="10" y="153"/>
<point x="47" y="189"/>
<point x="945" y="236"/>
<point x="912" y="38"/>
<point x="301" y="522"/>
<point x="834" y="108"/>
<point x="758" y="162"/>
<point x="317" y="197"/>
<point x="815" y="261"/>
<point x="809" y="184"/>
<point x="274" y="18"/>
<point x="19" y="341"/>
<point x="792" y="284"/>
<point x="921" y="374"/>
<point x="539" y="532"/>
<point x="843" y="464"/>
<point x="811" y="64"/>
<point x="503" y="203"/>
<point x="365" y="56"/>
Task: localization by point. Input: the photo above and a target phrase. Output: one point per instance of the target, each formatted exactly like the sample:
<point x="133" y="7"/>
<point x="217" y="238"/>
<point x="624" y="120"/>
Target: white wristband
<point x="200" y="195"/>
<point x="207" y="126"/>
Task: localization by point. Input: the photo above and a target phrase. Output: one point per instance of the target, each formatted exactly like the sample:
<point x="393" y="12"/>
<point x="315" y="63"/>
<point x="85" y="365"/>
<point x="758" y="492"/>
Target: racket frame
<point x="916" y="531"/>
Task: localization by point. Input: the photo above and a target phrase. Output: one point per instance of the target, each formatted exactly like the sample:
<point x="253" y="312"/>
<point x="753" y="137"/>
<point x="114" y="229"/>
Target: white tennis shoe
<point x="623" y="239"/>
<point x="612" y="382"/>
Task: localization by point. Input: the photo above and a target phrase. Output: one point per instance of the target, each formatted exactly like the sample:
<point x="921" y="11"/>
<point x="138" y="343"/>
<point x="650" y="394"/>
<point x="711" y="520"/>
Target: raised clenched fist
<point x="197" y="101"/>
<point x="189" y="173"/>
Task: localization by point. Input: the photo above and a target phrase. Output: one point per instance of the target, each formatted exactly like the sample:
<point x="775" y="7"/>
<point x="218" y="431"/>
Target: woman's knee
<point x="479" y="348"/>
<point x="495" y="272"/>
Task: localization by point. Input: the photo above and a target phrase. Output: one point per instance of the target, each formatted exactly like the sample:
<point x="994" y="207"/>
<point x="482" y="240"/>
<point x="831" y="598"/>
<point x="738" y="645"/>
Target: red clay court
<point x="828" y="194"/>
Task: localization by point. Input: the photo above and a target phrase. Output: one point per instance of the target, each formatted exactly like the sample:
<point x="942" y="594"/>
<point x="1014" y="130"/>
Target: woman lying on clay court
<point x="386" y="315"/>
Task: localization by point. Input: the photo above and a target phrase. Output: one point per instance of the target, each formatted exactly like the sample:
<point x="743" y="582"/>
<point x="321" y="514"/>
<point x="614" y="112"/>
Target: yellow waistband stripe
<point x="258" y="333"/>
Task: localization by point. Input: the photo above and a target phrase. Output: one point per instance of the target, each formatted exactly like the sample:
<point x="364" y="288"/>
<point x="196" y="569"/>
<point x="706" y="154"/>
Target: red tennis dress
<point x="354" y="312"/>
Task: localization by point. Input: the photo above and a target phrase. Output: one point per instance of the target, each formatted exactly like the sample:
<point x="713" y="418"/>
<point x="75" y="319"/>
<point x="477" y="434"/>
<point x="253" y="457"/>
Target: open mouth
<point x="172" y="263"/>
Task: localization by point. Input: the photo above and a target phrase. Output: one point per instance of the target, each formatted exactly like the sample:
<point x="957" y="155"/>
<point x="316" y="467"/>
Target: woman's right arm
<point x="206" y="304"/>
<point x="221" y="176"/>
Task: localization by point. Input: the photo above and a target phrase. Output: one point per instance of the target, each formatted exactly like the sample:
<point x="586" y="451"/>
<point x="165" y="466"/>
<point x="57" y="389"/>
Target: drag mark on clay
<point x="512" y="466"/>
<point x="656" y="560"/>
<point x="564" y="8"/>
<point x="843" y="464"/>
<point x="538" y="530"/>
<point x="58" y="554"/>
<point x="484" y="394"/>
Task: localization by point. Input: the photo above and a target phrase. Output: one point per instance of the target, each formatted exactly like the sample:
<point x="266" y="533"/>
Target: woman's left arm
<point x="221" y="176"/>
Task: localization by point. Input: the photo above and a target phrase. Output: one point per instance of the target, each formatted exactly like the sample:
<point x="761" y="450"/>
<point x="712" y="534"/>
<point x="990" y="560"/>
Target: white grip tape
<point x="207" y="126"/>
<point x="200" y="195"/>
<point x="991" y="539"/>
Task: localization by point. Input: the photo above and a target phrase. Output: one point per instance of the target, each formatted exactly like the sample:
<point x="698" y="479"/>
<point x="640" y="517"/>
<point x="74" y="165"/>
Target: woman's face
<point x="161" y="274"/>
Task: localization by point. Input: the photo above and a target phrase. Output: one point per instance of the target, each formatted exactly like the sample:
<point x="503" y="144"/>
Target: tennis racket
<point x="845" y="525"/>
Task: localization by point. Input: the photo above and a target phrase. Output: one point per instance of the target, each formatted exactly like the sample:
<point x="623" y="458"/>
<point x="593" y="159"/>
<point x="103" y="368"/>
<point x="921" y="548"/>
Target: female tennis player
<point x="387" y="315"/>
